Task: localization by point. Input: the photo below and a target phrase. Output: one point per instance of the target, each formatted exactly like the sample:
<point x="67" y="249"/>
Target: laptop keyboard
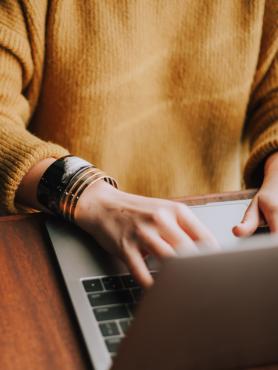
<point x="113" y="300"/>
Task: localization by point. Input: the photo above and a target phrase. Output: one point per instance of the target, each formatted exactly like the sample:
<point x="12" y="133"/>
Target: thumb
<point x="250" y="221"/>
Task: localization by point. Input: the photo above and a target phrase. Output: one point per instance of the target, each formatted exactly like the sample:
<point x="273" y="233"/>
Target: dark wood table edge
<point x="189" y="200"/>
<point x="217" y="197"/>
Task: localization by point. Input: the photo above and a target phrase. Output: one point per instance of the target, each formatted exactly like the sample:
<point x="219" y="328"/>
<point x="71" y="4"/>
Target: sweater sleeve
<point x="19" y="149"/>
<point x="262" y="116"/>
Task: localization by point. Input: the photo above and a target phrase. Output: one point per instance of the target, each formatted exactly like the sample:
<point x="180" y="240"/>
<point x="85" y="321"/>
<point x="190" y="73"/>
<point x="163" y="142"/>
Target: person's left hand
<point x="264" y="205"/>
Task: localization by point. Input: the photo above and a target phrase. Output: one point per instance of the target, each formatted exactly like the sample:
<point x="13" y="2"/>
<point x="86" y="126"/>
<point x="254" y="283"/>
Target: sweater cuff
<point x="17" y="158"/>
<point x="265" y="144"/>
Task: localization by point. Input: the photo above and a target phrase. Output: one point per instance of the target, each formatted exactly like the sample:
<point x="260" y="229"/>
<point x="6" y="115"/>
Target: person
<point x="167" y="97"/>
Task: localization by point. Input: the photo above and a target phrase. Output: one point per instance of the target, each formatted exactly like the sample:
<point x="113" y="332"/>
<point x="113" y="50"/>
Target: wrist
<point x="93" y="201"/>
<point x="27" y="191"/>
<point x="63" y="183"/>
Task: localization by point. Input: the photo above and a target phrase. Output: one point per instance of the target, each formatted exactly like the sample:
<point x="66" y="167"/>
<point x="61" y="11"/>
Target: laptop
<point x="104" y="295"/>
<point x="216" y="311"/>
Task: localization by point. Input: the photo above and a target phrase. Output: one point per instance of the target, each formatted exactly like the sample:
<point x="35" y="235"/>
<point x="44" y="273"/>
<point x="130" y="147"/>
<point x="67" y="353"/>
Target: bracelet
<point x="71" y="196"/>
<point x="63" y="183"/>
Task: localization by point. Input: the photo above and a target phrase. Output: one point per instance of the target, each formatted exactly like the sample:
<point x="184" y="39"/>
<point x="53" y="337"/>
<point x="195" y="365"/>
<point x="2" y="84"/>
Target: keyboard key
<point x="124" y="324"/>
<point x="113" y="344"/>
<point x="137" y="294"/>
<point x="109" y="329"/>
<point x="93" y="285"/>
<point x="111" y="313"/>
<point x="106" y="298"/>
<point x="129" y="281"/>
<point x="112" y="283"/>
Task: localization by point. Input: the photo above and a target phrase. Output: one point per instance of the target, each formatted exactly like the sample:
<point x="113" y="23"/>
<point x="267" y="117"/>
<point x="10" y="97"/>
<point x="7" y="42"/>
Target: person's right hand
<point x="131" y="226"/>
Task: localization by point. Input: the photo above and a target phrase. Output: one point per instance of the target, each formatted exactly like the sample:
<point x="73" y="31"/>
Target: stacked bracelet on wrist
<point x="63" y="183"/>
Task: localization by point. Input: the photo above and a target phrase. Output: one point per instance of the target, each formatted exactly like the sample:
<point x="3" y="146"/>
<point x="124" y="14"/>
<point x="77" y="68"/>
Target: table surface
<point x="39" y="330"/>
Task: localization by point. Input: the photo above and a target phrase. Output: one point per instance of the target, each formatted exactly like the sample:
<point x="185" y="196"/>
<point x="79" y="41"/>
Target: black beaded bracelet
<point x="56" y="178"/>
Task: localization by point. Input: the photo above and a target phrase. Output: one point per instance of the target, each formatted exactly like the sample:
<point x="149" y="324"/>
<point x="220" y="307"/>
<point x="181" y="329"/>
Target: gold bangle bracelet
<point x="77" y="185"/>
<point x="92" y="181"/>
<point x="63" y="182"/>
<point x="74" y="199"/>
<point x="72" y="186"/>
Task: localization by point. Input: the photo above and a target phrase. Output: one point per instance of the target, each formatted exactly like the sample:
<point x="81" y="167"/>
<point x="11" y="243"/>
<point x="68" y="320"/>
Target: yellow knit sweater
<point x="171" y="97"/>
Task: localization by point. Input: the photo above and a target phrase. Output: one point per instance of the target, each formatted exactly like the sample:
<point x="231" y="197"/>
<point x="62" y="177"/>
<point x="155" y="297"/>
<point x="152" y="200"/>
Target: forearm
<point x="26" y="194"/>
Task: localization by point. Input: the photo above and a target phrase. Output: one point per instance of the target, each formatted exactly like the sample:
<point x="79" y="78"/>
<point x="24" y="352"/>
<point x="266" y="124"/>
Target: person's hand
<point x="264" y="206"/>
<point x="131" y="226"/>
<point x="127" y="225"/>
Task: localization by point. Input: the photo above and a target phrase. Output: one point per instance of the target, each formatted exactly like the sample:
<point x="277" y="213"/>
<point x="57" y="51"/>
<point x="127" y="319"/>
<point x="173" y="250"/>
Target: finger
<point x="155" y="245"/>
<point x="171" y="232"/>
<point x="250" y="221"/>
<point x="182" y="243"/>
<point x="271" y="216"/>
<point x="190" y="223"/>
<point x="273" y="223"/>
<point x="138" y="267"/>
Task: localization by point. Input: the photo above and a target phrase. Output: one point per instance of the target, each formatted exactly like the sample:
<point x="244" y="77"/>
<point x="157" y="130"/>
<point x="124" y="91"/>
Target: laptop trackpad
<point x="220" y="218"/>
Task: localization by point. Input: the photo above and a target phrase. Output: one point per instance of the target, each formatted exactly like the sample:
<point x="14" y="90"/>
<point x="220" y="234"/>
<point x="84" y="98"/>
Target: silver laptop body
<point x="210" y="312"/>
<point x="84" y="264"/>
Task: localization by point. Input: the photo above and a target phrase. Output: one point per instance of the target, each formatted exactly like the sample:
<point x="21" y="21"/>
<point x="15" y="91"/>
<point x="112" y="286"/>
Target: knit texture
<point x="169" y="97"/>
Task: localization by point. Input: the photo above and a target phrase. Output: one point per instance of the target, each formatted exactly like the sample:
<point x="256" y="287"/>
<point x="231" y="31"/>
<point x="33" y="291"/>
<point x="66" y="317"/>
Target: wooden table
<point x="39" y="330"/>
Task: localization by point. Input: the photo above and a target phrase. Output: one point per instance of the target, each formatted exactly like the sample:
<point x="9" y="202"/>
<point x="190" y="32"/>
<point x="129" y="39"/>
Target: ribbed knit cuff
<point x="19" y="151"/>
<point x="265" y="144"/>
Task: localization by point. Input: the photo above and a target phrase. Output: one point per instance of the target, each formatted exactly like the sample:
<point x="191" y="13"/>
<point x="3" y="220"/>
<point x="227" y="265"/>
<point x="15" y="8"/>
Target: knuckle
<point x="180" y="208"/>
<point x="158" y="216"/>
<point x="273" y="208"/>
<point x="269" y="203"/>
<point x="274" y="204"/>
